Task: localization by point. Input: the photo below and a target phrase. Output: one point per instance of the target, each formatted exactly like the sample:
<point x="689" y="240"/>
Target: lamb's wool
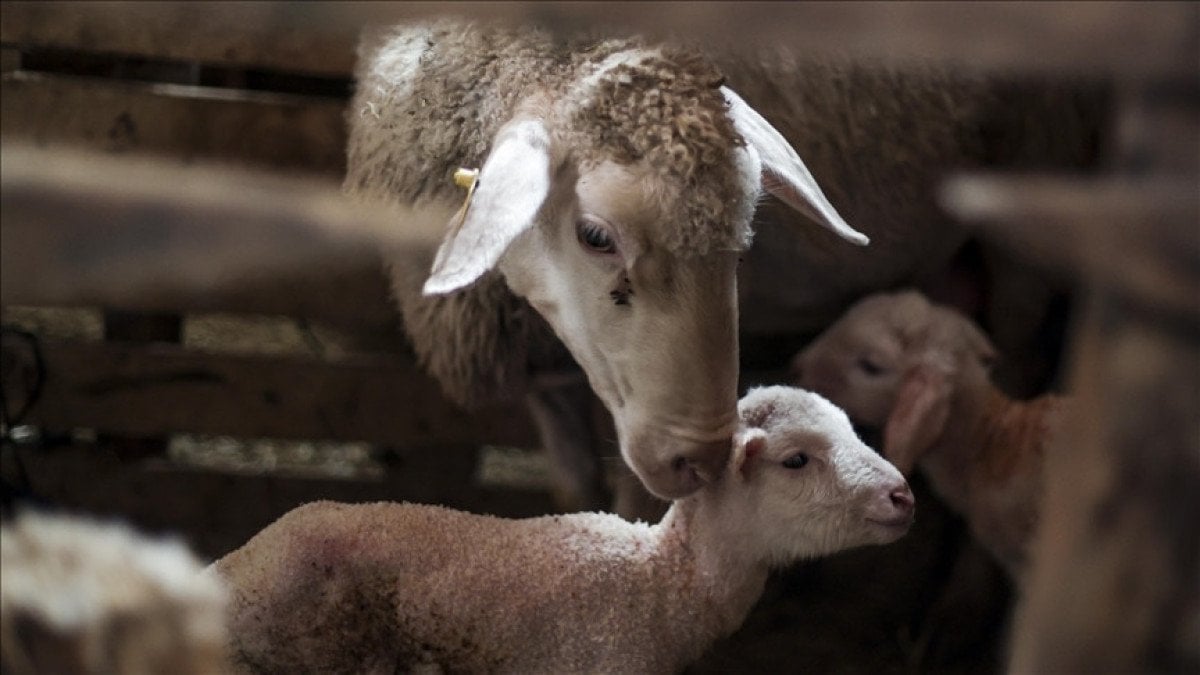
<point x="381" y="587"/>
<point x="98" y="598"/>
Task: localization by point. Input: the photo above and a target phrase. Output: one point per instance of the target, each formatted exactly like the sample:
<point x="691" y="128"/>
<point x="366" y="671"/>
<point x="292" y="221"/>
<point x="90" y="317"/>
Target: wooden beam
<point x="216" y="512"/>
<point x="1140" y="235"/>
<point x="149" y="390"/>
<point x="77" y="227"/>
<point x="273" y="131"/>
<point x="1139" y="39"/>
<point x="290" y="36"/>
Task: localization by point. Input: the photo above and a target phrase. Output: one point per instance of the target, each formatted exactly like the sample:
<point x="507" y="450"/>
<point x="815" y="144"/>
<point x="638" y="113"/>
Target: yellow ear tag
<point x="468" y="179"/>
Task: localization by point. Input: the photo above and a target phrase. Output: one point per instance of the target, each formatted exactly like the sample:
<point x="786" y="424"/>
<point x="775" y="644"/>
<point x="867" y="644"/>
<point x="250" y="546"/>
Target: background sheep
<point x="374" y="587"/>
<point x="82" y="597"/>
<point x="919" y="372"/>
<point x="617" y="185"/>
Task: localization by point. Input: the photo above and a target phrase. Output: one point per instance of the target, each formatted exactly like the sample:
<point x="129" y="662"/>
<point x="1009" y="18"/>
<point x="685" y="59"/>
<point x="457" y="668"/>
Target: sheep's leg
<point x="562" y="414"/>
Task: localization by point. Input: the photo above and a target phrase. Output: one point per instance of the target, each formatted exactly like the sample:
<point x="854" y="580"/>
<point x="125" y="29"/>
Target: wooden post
<point x="140" y="328"/>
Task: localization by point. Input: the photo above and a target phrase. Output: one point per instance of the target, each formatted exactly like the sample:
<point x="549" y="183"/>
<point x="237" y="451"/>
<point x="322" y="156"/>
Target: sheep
<point x="882" y="138"/>
<point x="78" y="596"/>
<point x="384" y="587"/>
<point x="617" y="180"/>
<point x="919" y="372"/>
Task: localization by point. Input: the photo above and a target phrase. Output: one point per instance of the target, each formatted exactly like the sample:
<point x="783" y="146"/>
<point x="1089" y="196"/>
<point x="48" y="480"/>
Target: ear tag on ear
<point x="469" y="180"/>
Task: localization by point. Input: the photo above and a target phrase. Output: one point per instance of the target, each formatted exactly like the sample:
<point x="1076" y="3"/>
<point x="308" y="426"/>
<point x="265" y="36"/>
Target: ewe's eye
<point x="595" y="235"/>
<point x="796" y="461"/>
<point x="869" y="367"/>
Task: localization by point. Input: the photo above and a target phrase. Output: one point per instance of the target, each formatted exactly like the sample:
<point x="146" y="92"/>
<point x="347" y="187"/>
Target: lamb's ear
<point x="784" y="174"/>
<point x="747" y="444"/>
<point x="512" y="185"/>
<point x="918" y="417"/>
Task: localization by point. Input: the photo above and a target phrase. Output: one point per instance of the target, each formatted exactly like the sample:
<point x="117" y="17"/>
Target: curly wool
<point x="667" y="111"/>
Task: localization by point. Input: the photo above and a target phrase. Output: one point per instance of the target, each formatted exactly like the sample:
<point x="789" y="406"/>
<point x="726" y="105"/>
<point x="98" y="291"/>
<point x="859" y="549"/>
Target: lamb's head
<point x="618" y="207"/>
<point x="893" y="362"/>
<point x="806" y="484"/>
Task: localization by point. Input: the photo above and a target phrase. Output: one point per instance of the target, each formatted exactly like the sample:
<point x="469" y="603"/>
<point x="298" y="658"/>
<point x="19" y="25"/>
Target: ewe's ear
<point x="784" y="174"/>
<point x="747" y="444"/>
<point x="513" y="183"/>
<point x="918" y="417"/>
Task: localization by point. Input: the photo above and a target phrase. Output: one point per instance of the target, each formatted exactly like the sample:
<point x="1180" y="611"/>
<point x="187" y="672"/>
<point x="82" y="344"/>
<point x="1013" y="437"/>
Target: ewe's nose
<point x="679" y="468"/>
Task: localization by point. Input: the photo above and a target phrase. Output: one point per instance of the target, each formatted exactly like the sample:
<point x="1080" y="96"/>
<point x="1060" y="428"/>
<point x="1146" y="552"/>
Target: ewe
<point x="617" y="182"/>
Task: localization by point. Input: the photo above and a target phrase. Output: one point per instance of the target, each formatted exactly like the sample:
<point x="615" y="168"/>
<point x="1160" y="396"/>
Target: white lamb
<point x="385" y="587"/>
<point x="920" y="373"/>
<point x="83" y="597"/>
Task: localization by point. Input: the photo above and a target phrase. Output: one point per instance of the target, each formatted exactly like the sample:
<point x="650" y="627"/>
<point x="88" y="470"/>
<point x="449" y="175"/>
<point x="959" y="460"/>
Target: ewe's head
<point x="893" y="362"/>
<point x="617" y="206"/>
<point x="812" y="487"/>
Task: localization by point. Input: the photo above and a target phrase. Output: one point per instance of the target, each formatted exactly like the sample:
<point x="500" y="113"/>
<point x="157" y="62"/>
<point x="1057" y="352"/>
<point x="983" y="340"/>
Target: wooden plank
<point x="148" y="390"/>
<point x="294" y="133"/>
<point x="216" y="512"/>
<point x="1141" y="235"/>
<point x="279" y="35"/>
<point x="76" y="226"/>
<point x="132" y="328"/>
<point x="1139" y="39"/>
<point x="10" y="59"/>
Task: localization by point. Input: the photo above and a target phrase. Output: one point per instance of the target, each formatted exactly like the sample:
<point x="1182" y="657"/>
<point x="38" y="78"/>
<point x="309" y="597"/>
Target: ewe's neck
<point x="986" y="433"/>
<point x="728" y="572"/>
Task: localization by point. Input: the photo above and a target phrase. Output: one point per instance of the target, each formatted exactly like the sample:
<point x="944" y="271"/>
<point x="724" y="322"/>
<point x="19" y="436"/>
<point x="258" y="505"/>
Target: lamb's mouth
<point x="899" y="524"/>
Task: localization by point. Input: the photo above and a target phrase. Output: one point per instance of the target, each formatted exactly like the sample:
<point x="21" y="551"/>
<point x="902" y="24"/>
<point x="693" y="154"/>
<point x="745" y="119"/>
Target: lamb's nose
<point x="902" y="500"/>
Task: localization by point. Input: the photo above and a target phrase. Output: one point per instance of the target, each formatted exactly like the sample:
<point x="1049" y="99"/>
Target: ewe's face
<point x="817" y="489"/>
<point x="655" y="331"/>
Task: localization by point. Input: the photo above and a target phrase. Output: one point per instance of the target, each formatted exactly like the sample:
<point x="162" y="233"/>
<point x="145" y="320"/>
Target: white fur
<point x="576" y="593"/>
<point x="112" y="600"/>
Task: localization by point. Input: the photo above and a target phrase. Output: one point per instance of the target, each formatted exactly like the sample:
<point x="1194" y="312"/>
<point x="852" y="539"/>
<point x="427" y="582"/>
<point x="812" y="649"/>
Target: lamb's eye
<point x="869" y="367"/>
<point x="796" y="461"/>
<point x="595" y="236"/>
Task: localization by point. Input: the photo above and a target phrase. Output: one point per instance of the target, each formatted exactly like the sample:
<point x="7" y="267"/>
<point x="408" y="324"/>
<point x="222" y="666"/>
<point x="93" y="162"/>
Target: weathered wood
<point x="132" y="328"/>
<point x="273" y="131"/>
<point x="216" y="512"/>
<point x="1140" y="234"/>
<point x="1115" y="585"/>
<point x="10" y="59"/>
<point x="77" y="227"/>
<point x="148" y="390"/>
<point x="1135" y="39"/>
<point x="292" y="36"/>
<point x="354" y="301"/>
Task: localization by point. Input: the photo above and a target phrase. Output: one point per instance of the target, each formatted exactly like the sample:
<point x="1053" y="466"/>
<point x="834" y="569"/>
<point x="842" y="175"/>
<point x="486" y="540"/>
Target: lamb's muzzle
<point x="893" y="507"/>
